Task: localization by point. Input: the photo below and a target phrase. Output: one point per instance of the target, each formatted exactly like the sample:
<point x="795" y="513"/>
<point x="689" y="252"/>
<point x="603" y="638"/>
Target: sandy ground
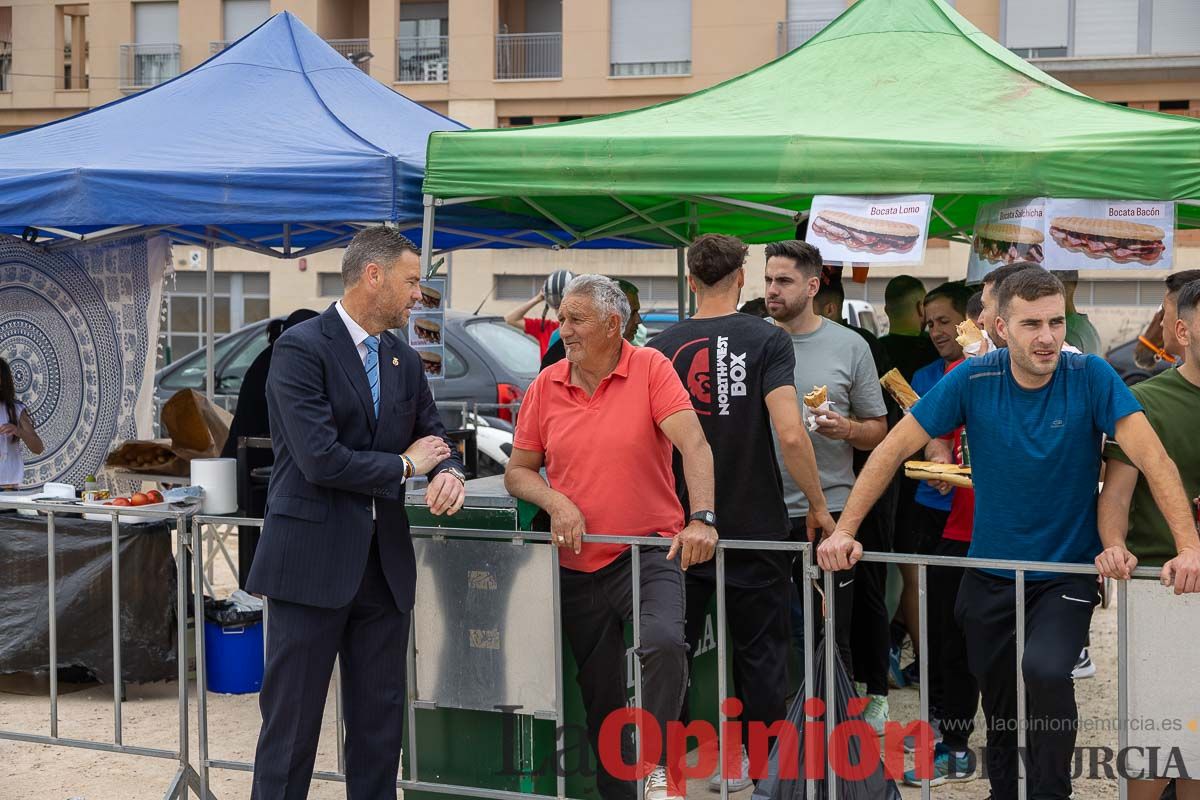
<point x="41" y="772"/>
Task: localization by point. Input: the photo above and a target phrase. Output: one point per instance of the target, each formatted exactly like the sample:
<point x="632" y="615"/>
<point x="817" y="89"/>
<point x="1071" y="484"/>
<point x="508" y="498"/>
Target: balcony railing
<point x="795" y="32"/>
<point x="356" y="51"/>
<point x="528" y="56"/>
<point x="423" y="59"/>
<point x="5" y="66"/>
<point x="146" y="65"/>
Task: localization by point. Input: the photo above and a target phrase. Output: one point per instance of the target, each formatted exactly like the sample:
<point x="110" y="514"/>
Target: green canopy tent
<point x="893" y="97"/>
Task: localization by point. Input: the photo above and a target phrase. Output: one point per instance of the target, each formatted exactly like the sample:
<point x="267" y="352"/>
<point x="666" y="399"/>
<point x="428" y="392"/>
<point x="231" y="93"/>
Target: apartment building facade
<point x="491" y="63"/>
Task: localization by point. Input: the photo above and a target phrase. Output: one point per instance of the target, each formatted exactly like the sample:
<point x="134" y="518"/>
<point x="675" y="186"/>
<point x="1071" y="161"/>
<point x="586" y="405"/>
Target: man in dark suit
<point x="352" y="419"/>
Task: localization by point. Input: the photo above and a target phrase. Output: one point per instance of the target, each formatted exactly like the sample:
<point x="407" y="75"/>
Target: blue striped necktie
<point x="371" y="365"/>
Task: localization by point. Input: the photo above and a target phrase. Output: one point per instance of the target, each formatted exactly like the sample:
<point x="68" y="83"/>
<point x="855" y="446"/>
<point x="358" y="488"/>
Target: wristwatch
<point x="707" y="517"/>
<point x="457" y="473"/>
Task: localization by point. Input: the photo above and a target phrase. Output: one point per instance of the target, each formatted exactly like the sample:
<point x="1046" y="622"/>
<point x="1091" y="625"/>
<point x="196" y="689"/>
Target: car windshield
<point x="193" y="369"/>
<point x="512" y="350"/>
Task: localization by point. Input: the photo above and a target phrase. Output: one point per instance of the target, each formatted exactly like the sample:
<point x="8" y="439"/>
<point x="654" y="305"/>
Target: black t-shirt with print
<point x="729" y="365"/>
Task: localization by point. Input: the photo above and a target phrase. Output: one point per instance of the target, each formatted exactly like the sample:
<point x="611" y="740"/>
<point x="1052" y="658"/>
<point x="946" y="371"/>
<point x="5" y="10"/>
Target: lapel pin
<point x="395" y="361"/>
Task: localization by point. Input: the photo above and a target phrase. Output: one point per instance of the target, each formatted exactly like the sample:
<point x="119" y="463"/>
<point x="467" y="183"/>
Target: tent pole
<point x="680" y="261"/>
<point x="427" y="223"/>
<point x="210" y="324"/>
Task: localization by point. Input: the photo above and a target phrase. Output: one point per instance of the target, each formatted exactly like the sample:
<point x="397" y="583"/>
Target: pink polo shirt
<point x="606" y="452"/>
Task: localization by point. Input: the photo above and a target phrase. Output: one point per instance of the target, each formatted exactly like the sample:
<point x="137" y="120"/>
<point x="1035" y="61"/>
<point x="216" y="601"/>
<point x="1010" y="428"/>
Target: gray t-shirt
<point x="838" y="358"/>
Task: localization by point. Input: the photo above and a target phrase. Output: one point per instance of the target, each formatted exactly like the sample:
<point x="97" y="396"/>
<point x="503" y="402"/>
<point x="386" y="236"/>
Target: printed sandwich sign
<point x="425" y="325"/>
<point x="1007" y="231"/>
<point x="1073" y="234"/>
<point x="1109" y="234"/>
<point x="872" y="230"/>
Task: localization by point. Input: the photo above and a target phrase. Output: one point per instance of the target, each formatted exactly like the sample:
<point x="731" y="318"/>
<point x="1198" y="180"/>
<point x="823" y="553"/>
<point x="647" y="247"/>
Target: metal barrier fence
<point x="185" y="777"/>
<point x="810" y="570"/>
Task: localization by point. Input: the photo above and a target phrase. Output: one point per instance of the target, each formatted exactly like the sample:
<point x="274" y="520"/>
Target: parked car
<point x="486" y="363"/>
<point x="858" y="313"/>
<point x="1121" y="359"/>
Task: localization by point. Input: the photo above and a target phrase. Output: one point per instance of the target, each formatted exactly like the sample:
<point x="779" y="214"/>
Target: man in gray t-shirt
<point x="839" y="359"/>
<point x="829" y="355"/>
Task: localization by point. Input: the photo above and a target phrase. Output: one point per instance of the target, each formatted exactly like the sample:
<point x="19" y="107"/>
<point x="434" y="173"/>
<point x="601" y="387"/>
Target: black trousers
<point x="843" y="608"/>
<point x="948" y="669"/>
<point x="1058" y="613"/>
<point x="370" y="635"/>
<point x="757" y="620"/>
<point x="595" y="608"/>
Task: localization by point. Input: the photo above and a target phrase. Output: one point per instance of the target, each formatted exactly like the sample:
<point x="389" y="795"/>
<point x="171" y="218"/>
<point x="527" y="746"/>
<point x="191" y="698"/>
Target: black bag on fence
<point x="875" y="786"/>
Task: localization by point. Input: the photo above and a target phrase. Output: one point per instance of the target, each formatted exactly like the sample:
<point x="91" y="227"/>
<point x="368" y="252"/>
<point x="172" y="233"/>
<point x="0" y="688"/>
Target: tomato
<point x="139" y="499"/>
<point x="155" y="496"/>
<point x="122" y="501"/>
<point x="109" y="503"/>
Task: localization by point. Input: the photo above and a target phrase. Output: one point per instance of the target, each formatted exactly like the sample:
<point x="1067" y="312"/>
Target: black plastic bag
<point x="228" y="614"/>
<point x="875" y="786"/>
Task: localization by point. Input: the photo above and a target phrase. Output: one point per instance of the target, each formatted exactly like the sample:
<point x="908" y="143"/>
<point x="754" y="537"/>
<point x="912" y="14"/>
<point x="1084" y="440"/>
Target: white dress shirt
<point x="359" y="337"/>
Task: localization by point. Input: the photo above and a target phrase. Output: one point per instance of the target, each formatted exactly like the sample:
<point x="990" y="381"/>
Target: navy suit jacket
<point x="332" y="459"/>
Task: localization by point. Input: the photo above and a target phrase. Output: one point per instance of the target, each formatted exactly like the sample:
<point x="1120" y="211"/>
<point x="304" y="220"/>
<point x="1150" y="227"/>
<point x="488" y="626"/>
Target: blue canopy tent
<point x="277" y="144"/>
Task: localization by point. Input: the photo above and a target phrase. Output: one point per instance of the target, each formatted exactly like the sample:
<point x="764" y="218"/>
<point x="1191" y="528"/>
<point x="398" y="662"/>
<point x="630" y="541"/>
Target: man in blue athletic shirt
<point x="1035" y="418"/>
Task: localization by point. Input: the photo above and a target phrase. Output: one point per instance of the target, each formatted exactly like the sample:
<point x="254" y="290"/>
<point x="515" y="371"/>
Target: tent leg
<point x="427" y="223"/>
<point x="210" y="325"/>
<point x="681" y="274"/>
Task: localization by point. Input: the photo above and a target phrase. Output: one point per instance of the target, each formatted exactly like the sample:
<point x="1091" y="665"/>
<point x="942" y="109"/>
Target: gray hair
<point x="380" y="245"/>
<point x="604" y="293"/>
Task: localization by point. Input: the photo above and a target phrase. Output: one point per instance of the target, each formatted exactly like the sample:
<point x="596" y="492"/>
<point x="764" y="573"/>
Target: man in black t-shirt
<point x="739" y="372"/>
<point x="907" y="344"/>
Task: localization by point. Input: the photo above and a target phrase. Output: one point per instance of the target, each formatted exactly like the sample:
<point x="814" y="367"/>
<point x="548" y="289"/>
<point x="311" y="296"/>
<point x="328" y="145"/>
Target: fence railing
<point x="795" y="32"/>
<point x="804" y="551"/>
<point x="146" y="65"/>
<point x="528" y="56"/>
<point x="185" y="778"/>
<point x="357" y="51"/>
<point x="423" y="59"/>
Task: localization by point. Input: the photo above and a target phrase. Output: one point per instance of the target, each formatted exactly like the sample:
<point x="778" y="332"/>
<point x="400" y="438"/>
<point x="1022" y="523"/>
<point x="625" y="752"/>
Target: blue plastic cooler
<point x="233" y="657"/>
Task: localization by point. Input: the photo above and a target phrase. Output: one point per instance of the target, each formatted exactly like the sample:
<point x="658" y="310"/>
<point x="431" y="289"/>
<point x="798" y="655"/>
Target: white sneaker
<point x="735" y="784"/>
<point x="657" y="788"/>
<point x="876" y="713"/>
<point x="1084" y="668"/>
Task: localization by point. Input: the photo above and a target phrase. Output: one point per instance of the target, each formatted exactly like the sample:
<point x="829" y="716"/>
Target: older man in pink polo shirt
<point x="603" y="422"/>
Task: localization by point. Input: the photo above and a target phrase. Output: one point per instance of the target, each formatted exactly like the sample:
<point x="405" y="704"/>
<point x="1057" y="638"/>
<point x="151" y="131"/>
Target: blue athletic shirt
<point x="1035" y="454"/>
<point x="923" y="380"/>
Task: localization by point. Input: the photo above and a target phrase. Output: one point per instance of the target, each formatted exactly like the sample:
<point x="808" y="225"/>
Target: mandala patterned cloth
<point x="79" y="328"/>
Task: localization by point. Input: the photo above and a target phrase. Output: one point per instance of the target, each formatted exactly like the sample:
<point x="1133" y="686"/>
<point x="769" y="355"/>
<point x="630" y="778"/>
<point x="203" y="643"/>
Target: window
<point x="239" y="298"/>
<point x="5" y="48"/>
<point x="239" y="17"/>
<point x="651" y="37"/>
<point x="155" y="53"/>
<point x="1105" y="27"/>
<point x="234" y="370"/>
<point x="194" y="370"/>
<point x="656" y="290"/>
<point x="1036" y="28"/>
<point x="72" y="22"/>
<point x="1174" y="105"/>
<point x="329" y="284"/>
<point x="454" y="366"/>
<point x="156" y="23"/>
<point x="518" y="287"/>
<point x="507" y="348"/>
<point x="1175" y="27"/>
<point x="806" y="18"/>
<point x="422" y="46"/>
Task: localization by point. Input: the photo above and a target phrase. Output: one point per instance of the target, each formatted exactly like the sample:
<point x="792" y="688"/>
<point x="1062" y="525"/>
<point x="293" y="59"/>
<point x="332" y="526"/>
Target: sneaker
<point x="657" y="788"/>
<point x="910" y="742"/>
<point x="947" y="768"/>
<point x="877" y="713"/>
<point x="895" y="673"/>
<point x="1084" y="668"/>
<point x="735" y="784"/>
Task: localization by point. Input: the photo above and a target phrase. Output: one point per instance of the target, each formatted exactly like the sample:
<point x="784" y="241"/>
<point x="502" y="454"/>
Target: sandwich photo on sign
<point x="426" y="330"/>
<point x="869" y="230"/>
<point x="1109" y="234"/>
<point x="1116" y="240"/>
<point x="1003" y="243"/>
<point x="431" y="360"/>
<point x="431" y="294"/>
<point x="863" y="234"/>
